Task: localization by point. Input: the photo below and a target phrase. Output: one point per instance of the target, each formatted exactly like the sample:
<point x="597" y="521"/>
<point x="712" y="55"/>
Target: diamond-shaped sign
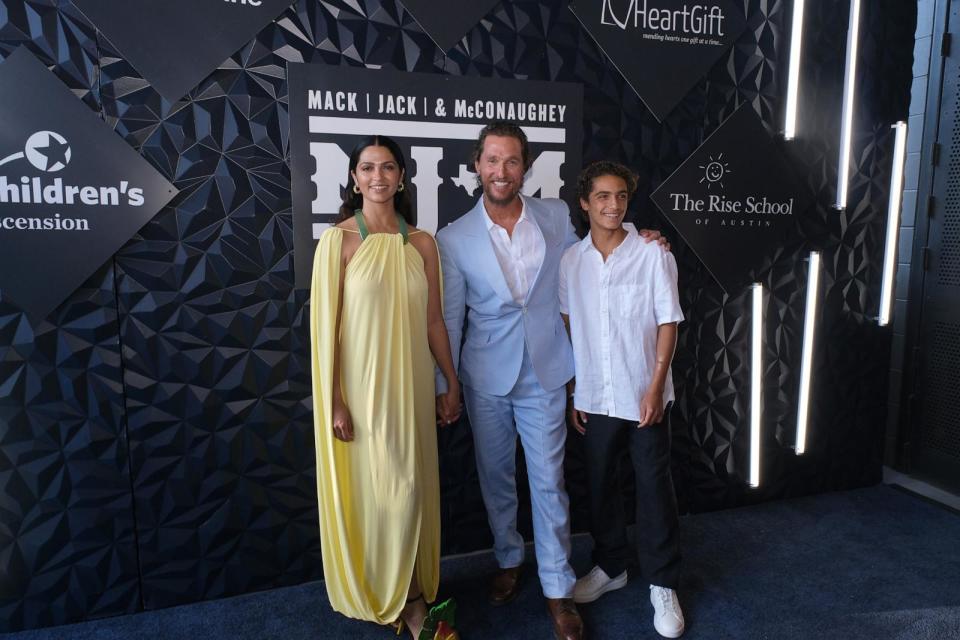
<point x="734" y="199"/>
<point x="175" y="44"/>
<point x="661" y="47"/>
<point x="446" y="22"/>
<point x="72" y="192"/>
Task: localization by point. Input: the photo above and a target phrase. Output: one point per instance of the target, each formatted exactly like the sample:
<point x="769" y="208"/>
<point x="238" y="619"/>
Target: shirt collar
<point x="491" y="224"/>
<point x="632" y="236"/>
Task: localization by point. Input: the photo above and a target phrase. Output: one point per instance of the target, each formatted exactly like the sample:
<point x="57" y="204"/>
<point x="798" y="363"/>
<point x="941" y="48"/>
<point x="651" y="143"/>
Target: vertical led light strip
<point x="756" y="380"/>
<point x="849" y="82"/>
<point x="893" y="222"/>
<point x="806" y="360"/>
<point x="793" y="77"/>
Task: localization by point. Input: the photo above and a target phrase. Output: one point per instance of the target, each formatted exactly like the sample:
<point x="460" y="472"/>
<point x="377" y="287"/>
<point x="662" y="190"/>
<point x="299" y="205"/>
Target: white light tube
<point x="893" y="223"/>
<point x="793" y="77"/>
<point x="756" y="380"/>
<point x="849" y="82"/>
<point x="806" y="359"/>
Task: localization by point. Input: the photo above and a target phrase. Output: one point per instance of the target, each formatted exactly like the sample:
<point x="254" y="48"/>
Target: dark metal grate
<point x="941" y="428"/>
<point x="950" y="250"/>
<point x="949" y="266"/>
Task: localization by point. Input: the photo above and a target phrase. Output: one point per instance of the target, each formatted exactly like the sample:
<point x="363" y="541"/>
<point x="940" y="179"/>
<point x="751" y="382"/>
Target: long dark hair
<point x="353" y="201"/>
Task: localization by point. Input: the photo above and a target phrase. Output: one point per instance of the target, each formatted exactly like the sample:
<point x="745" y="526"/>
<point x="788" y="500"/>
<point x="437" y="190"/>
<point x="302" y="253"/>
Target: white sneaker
<point x="595" y="584"/>
<point x="667" y="616"/>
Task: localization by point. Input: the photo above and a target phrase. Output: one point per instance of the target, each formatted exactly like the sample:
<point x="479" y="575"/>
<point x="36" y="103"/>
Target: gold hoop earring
<point x="356" y="189"/>
<point x="400" y="188"/>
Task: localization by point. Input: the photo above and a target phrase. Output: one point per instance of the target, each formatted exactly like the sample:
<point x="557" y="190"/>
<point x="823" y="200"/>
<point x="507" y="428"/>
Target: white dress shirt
<point x="521" y="255"/>
<point x="615" y="308"/>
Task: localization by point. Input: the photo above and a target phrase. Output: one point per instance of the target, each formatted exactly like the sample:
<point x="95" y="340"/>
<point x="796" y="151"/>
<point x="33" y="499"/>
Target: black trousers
<point x="657" y="520"/>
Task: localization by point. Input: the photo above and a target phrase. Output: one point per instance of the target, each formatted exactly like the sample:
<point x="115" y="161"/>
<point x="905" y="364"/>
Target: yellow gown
<point x="379" y="495"/>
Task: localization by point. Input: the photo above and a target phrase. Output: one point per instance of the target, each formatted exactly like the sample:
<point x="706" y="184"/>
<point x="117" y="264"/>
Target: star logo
<point x="47" y="151"/>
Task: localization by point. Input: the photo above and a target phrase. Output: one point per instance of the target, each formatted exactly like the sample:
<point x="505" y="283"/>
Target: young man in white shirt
<point x="619" y="298"/>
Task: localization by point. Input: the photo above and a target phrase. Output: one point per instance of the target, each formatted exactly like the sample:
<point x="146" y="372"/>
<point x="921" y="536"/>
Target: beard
<point x="490" y="195"/>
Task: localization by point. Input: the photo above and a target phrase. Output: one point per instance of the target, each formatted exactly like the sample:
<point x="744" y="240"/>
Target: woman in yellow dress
<point x="375" y="319"/>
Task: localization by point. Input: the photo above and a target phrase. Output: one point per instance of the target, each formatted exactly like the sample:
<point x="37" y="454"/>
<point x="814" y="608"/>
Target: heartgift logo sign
<point x="661" y="47"/>
<point x="436" y="121"/>
<point x="735" y="200"/>
<point x="175" y="44"/>
<point x="685" y="21"/>
<point x="72" y="192"/>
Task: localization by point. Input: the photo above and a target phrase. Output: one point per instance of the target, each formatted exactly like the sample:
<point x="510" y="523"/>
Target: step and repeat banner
<point x="436" y="121"/>
<point x="166" y="169"/>
<point x="738" y="180"/>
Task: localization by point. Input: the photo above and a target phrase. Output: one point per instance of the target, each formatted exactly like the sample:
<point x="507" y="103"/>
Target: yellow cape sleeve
<point x="324" y="305"/>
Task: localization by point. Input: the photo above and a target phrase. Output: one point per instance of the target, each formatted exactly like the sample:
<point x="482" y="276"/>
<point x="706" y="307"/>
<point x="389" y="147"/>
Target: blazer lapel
<point x="483" y="246"/>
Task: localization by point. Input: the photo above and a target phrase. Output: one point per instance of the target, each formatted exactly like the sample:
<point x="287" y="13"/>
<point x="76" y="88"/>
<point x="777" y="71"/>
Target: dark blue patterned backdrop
<point x="155" y="430"/>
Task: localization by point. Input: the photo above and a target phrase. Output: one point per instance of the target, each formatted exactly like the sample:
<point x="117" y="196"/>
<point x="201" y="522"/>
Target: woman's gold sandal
<point x="399" y="625"/>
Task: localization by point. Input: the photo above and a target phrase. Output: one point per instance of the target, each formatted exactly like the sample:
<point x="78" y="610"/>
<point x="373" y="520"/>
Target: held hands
<point x="448" y="405"/>
<point x="342" y="424"/>
<point x="651" y="407"/>
<point x="649" y="235"/>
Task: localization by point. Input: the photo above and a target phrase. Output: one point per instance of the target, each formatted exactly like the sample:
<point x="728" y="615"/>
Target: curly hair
<point x="600" y="168"/>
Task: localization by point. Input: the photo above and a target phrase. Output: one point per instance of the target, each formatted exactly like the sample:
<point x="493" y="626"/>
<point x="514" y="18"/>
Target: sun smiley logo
<point x="46" y="150"/>
<point x="714" y="171"/>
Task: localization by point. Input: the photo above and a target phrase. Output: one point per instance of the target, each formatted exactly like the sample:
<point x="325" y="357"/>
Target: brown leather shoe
<point x="567" y="624"/>
<point x="505" y="586"/>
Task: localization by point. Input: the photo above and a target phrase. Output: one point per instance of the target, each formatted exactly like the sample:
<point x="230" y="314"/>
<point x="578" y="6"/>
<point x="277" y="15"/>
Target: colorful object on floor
<point x="440" y="622"/>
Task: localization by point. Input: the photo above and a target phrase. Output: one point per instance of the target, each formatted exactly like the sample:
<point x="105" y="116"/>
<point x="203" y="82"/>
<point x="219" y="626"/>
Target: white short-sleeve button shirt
<point x="615" y="308"/>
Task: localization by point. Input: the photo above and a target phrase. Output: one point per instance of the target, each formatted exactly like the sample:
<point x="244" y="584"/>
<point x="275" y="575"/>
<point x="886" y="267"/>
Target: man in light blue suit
<point x="501" y="273"/>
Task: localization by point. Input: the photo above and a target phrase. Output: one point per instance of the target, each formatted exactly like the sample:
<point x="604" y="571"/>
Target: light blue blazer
<point x="497" y="328"/>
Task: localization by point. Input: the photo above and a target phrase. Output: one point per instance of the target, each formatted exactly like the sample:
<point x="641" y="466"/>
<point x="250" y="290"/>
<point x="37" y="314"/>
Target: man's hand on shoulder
<point x="649" y="235"/>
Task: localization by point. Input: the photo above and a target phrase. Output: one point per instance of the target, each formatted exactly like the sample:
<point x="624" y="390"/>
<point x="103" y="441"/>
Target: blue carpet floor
<point x="872" y="563"/>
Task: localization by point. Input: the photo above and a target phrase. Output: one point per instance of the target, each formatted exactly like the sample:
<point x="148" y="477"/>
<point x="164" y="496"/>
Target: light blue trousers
<point x="537" y="416"/>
